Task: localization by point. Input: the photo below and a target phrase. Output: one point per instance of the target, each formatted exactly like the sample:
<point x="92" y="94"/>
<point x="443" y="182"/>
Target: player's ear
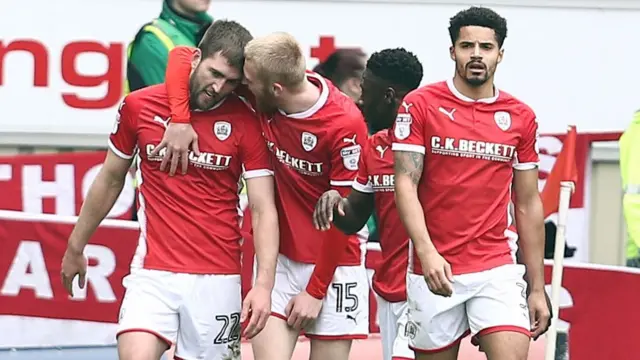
<point x="389" y="95"/>
<point x="277" y="89"/>
<point x="500" y="55"/>
<point x="452" y="52"/>
<point x="195" y="60"/>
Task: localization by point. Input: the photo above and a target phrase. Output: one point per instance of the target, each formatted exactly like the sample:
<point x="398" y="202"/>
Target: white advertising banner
<point x="62" y="63"/>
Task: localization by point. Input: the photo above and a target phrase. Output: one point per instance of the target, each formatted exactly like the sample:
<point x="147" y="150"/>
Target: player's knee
<point x="505" y="345"/>
<point x="140" y="346"/>
<point x="330" y="349"/>
<point x="450" y="353"/>
<point x="275" y="342"/>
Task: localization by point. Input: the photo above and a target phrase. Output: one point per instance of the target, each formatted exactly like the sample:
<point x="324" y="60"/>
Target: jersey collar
<point x="460" y="96"/>
<point x="322" y="100"/>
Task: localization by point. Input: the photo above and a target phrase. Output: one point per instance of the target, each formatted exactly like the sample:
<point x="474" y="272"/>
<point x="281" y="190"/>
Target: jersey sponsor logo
<point x="402" y="129"/>
<point x="206" y="160"/>
<point x="449" y="113"/>
<point x="350" y="156"/>
<point x="503" y="120"/>
<point x="473" y="149"/>
<point x="351" y="140"/>
<point x="222" y="130"/>
<point x="302" y="166"/>
<point x="406" y="106"/>
<point x="382" y="183"/>
<point x="381" y="150"/>
<point x="309" y="141"/>
<point x="164" y="122"/>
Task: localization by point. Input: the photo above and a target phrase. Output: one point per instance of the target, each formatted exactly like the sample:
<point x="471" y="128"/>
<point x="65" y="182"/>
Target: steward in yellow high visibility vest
<point x="148" y="53"/>
<point x="630" y="171"/>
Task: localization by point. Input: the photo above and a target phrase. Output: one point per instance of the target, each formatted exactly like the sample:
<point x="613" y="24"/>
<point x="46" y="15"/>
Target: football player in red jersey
<point x="315" y="134"/>
<point x="184" y="286"/>
<point x="389" y="75"/>
<point x="458" y="147"/>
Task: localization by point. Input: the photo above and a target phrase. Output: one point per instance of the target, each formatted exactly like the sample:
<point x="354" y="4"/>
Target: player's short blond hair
<point x="278" y="59"/>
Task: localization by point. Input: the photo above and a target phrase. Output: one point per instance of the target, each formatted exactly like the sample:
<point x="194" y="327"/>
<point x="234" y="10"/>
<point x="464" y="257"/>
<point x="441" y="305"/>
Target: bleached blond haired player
<point x="315" y="135"/>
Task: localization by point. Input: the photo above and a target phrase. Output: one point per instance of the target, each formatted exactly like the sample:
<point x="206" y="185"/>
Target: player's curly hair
<point x="478" y="16"/>
<point x="397" y="66"/>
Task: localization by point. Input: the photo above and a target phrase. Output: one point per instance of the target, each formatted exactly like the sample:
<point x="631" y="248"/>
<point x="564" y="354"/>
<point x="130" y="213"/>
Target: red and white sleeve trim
<point x="408" y="147"/>
<point x="525" y="166"/>
<point x="341" y="182"/>
<point x="368" y="188"/>
<point x="257" y="173"/>
<point x="119" y="153"/>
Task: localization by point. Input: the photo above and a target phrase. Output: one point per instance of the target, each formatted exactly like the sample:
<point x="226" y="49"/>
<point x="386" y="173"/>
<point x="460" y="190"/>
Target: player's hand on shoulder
<point x="437" y="273"/>
<point x="177" y="139"/>
<point x="256" y="307"/>
<point x="73" y="263"/>
<point x="302" y="310"/>
<point x="323" y="213"/>
<point x="539" y="313"/>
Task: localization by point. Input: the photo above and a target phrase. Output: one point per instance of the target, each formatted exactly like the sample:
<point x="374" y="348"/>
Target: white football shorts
<point x="392" y="319"/>
<point x="482" y="303"/>
<point x="345" y="308"/>
<point x="200" y="314"/>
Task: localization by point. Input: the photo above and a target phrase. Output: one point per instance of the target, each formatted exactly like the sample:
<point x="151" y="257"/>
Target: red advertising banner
<point x="598" y="303"/>
<point x="56" y="183"/>
<point x="32" y="249"/>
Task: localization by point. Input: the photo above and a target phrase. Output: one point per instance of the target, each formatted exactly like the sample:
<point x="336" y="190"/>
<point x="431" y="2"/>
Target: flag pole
<point x="566" y="189"/>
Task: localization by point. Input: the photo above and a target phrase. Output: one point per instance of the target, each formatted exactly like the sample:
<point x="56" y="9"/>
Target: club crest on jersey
<point x="309" y="141"/>
<point x="403" y="126"/>
<point x="222" y="130"/>
<point x="503" y="120"/>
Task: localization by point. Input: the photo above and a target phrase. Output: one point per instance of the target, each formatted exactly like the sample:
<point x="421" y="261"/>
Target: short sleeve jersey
<point x="375" y="175"/>
<point x="471" y="148"/>
<point x="314" y="151"/>
<point x="190" y="223"/>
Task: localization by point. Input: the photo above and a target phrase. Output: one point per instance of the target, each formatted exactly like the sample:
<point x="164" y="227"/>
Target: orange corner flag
<point x="564" y="169"/>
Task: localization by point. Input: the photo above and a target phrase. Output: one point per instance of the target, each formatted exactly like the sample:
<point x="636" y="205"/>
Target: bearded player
<point x="315" y="134"/>
<point x="458" y="147"/>
<point x="390" y="74"/>
<point x="184" y="286"/>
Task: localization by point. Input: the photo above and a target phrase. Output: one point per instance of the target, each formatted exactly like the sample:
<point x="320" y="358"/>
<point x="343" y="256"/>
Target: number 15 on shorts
<point x="346" y="298"/>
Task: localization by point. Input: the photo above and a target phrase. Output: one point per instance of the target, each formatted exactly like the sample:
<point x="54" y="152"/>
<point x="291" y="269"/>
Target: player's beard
<point x="201" y="97"/>
<point x="266" y="102"/>
<point x="465" y="71"/>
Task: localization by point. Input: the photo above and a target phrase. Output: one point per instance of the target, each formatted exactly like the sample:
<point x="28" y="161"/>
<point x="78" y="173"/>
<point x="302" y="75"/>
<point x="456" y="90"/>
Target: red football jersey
<point x="314" y="151"/>
<point x="471" y="150"/>
<point x="190" y="223"/>
<point x="375" y="175"/>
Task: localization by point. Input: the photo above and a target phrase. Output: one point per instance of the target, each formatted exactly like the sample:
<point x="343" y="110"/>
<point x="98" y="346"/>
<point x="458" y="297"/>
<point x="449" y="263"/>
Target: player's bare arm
<point x="102" y="195"/>
<point x="179" y="136"/>
<point x="546" y="295"/>
<point x="530" y="225"/>
<point x="408" y="167"/>
<point x="348" y="214"/>
<point x="264" y="220"/>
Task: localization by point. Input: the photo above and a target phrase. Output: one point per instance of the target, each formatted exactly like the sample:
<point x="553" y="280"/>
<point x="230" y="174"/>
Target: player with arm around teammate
<point x="458" y="146"/>
<point x="389" y="75"/>
<point x="184" y="286"/>
<point x="315" y="135"/>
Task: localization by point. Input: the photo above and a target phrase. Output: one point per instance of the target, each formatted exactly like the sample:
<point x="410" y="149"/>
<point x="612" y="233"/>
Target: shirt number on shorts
<point x="230" y="328"/>
<point x="344" y="295"/>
